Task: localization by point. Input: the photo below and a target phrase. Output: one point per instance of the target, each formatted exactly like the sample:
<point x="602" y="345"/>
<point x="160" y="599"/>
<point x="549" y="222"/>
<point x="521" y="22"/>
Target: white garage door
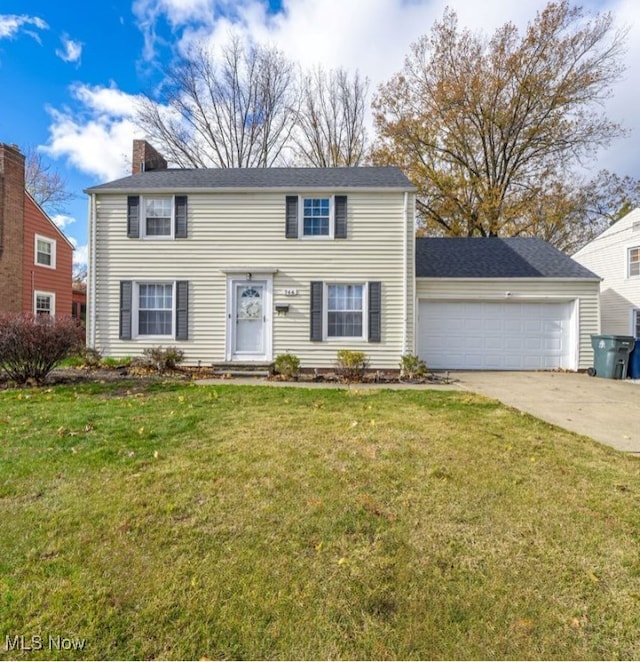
<point x="495" y="335"/>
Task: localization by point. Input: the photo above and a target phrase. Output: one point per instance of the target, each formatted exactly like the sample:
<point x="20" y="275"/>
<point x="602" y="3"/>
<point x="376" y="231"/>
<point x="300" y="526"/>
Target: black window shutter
<point x="375" y="311"/>
<point x="316" y="310"/>
<point x="291" y="225"/>
<point x="180" y="204"/>
<point x="340" y="210"/>
<point x="133" y="216"/>
<point x="126" y="294"/>
<point x="182" y="310"/>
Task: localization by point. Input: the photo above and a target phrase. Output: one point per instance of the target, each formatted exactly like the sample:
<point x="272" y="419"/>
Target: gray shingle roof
<point x="493" y="257"/>
<point x="258" y="178"/>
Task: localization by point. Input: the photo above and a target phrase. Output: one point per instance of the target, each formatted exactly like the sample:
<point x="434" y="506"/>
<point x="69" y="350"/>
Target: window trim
<point x="143" y="219"/>
<point x="135" y="310"/>
<point x="52" y="243"/>
<point x="41" y="293"/>
<point x="332" y="218"/>
<point x="365" y="312"/>
<point x="635" y="247"/>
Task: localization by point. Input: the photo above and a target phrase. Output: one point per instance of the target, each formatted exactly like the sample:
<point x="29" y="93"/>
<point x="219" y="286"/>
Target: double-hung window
<point x="155" y="309"/>
<point x="44" y="303"/>
<point x="316" y="217"/>
<point x="345" y="311"/>
<point x="45" y="252"/>
<point x="158" y="217"/>
<point x="633" y="261"/>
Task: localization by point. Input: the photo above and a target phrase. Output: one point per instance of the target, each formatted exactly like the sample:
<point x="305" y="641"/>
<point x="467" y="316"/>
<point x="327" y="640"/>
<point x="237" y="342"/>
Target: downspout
<point x="91" y="272"/>
<point x="405" y="280"/>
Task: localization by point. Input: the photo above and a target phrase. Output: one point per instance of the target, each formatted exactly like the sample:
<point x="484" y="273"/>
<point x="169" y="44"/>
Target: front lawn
<point x="183" y="522"/>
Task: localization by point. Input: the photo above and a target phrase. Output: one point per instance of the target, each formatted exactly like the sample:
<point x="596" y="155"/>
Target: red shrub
<point x="31" y="346"/>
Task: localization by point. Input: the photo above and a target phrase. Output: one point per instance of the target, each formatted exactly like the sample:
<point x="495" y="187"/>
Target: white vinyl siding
<point x="581" y="294"/>
<point x="245" y="232"/>
<point x="608" y="257"/>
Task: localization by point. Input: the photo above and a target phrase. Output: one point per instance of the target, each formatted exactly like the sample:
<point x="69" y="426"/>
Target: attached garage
<point x="492" y="335"/>
<point x="503" y="304"/>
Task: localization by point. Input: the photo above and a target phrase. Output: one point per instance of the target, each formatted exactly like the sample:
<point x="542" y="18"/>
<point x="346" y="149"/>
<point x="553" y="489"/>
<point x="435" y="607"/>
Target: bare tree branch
<point x="331" y="128"/>
<point x="233" y="110"/>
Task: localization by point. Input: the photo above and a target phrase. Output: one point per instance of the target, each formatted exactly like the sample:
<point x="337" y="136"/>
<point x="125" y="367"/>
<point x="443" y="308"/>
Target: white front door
<point x="249" y="319"/>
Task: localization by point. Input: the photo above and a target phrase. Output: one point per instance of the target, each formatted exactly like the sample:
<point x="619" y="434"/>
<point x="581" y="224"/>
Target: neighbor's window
<point x="345" y="311"/>
<point x="634" y="261"/>
<point x="158" y="217"/>
<point x="636" y="323"/>
<point x="155" y="309"/>
<point x="316" y="221"/>
<point x="43" y="303"/>
<point x="45" y="252"/>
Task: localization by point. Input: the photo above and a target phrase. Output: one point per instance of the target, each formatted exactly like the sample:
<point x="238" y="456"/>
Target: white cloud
<point x="62" y="220"/>
<point x="177" y="13"/>
<point x="80" y="253"/>
<point x="11" y="24"/>
<point x="71" y="50"/>
<point x="372" y="36"/>
<point x="96" y="140"/>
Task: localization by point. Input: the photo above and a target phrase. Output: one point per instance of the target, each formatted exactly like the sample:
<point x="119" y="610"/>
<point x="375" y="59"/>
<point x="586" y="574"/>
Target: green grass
<point x="181" y="521"/>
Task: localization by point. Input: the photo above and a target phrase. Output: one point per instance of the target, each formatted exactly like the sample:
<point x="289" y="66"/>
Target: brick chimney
<point x="11" y="227"/>
<point x="146" y="158"/>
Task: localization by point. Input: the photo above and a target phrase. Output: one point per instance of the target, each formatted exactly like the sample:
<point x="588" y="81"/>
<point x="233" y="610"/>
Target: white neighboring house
<point x="615" y="256"/>
<point x="241" y="265"/>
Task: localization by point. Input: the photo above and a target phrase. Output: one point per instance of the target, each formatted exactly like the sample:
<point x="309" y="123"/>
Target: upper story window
<point x="322" y="216"/>
<point x="316" y="217"/>
<point x="634" y="261"/>
<point x="45" y="252"/>
<point x="158" y="217"/>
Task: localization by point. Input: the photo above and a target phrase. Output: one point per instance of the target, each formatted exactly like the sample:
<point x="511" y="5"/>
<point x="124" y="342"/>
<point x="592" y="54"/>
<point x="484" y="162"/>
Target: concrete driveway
<point x="606" y="410"/>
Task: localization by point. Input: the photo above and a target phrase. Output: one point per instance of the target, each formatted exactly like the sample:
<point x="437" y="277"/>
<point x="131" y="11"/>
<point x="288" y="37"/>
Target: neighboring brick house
<point x="36" y="259"/>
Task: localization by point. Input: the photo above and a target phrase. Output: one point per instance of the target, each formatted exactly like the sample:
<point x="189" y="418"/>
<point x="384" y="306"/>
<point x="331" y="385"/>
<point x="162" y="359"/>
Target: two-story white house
<point x="241" y="265"/>
<point x="615" y="256"/>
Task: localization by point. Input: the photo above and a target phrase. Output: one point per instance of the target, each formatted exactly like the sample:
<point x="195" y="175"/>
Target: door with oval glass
<point x="249" y="319"/>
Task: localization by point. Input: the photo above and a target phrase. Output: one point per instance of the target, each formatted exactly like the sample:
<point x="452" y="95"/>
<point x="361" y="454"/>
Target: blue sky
<point x="70" y="71"/>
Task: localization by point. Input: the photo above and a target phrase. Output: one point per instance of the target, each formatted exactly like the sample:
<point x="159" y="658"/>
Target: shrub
<point x="163" y="359"/>
<point x="352" y="365"/>
<point x="412" y="367"/>
<point x="30" y="346"/>
<point x="116" y="362"/>
<point x="287" y="365"/>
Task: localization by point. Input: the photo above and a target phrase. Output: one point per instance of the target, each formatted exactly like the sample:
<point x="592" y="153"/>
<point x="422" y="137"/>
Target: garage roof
<point x="494" y="257"/>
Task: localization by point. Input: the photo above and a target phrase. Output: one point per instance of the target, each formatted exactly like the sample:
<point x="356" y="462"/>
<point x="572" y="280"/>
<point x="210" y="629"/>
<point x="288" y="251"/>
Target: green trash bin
<point x="611" y="356"/>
